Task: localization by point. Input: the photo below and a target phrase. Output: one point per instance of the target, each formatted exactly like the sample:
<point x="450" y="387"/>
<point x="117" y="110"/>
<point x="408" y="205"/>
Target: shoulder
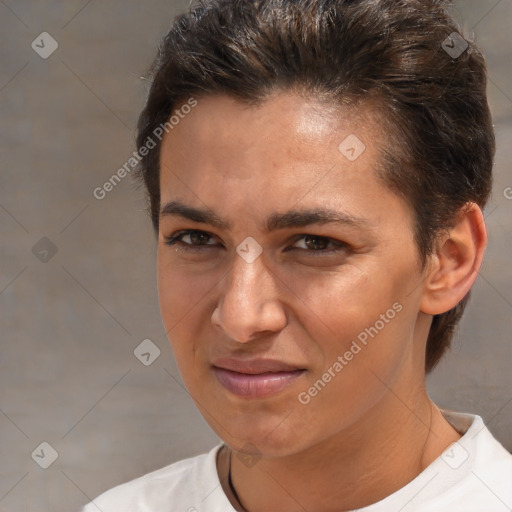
<point x="173" y="487"/>
<point x="478" y="444"/>
<point x="478" y="466"/>
<point x="472" y="475"/>
<point x="493" y="463"/>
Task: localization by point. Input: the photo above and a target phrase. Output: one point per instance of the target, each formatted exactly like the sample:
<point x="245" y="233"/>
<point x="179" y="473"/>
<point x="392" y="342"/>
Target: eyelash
<point x="176" y="239"/>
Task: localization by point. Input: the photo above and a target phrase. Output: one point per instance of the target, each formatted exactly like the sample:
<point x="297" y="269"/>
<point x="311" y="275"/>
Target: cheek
<point x="344" y="302"/>
<point x="359" y="366"/>
<point x="182" y="295"/>
<point x="358" y="316"/>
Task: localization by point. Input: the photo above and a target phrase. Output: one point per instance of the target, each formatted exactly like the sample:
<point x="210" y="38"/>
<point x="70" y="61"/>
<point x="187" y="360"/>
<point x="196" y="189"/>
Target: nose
<point x="249" y="306"/>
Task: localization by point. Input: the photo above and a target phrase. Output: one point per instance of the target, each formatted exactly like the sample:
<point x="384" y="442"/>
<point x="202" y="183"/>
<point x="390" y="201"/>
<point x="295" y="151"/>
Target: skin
<point x="372" y="428"/>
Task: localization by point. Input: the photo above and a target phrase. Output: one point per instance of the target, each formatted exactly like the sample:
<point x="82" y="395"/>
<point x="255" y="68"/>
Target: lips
<point x="254" y="366"/>
<point x="255" y="378"/>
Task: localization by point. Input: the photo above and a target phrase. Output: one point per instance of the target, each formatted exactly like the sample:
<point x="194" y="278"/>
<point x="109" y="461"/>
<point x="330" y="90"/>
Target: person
<point x="316" y="173"/>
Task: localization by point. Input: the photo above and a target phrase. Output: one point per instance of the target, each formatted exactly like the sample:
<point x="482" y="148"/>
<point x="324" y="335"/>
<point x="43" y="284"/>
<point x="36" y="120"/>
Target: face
<point x="288" y="276"/>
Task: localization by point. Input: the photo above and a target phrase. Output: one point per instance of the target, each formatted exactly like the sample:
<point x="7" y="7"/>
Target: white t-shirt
<point x="472" y="475"/>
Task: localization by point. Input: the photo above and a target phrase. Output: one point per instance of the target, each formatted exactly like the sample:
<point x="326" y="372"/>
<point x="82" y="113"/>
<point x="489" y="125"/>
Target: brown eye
<point x="192" y="238"/>
<point x="313" y="243"/>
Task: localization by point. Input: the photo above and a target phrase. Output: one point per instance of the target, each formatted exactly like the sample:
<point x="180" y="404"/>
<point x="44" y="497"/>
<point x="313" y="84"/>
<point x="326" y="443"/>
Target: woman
<point x="316" y="172"/>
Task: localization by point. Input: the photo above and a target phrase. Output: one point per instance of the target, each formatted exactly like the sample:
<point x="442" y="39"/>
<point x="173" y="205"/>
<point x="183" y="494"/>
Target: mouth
<point x="255" y="378"/>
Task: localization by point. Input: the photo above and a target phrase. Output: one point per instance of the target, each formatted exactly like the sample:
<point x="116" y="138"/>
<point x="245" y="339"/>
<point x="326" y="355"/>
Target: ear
<point x="455" y="262"/>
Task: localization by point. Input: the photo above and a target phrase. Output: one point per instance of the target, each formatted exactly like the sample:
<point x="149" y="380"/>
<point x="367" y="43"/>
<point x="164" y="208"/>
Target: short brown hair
<point x="440" y="148"/>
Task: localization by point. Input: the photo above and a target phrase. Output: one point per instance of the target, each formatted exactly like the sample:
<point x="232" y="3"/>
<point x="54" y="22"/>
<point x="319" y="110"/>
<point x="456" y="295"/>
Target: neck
<point x="387" y="449"/>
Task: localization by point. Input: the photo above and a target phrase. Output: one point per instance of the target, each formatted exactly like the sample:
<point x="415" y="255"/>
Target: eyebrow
<point x="276" y="221"/>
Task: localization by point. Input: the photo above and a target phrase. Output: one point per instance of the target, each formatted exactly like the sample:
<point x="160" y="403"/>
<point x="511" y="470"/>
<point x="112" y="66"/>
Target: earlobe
<point x="455" y="263"/>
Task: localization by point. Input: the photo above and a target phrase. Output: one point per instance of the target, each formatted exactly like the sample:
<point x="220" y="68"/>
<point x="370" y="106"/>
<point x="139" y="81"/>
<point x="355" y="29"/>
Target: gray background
<point x="69" y="325"/>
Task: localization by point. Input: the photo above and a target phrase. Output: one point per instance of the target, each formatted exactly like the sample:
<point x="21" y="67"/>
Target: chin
<point x="268" y="438"/>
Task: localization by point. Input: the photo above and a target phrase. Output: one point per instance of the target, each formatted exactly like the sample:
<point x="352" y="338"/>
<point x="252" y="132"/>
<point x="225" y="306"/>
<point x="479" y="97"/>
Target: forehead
<point x="287" y="136"/>
<point x="245" y="163"/>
